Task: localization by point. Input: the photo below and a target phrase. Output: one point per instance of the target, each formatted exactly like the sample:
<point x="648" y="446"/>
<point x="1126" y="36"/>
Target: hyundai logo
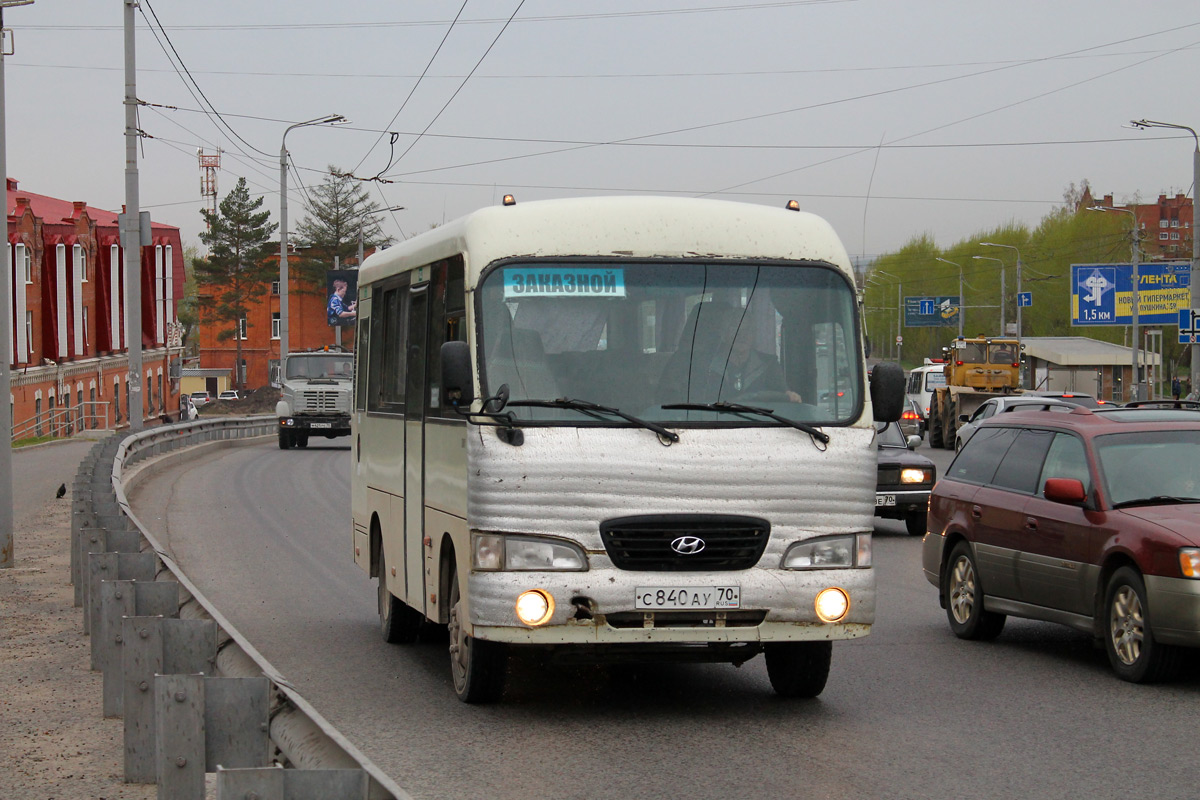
<point x="687" y="545"/>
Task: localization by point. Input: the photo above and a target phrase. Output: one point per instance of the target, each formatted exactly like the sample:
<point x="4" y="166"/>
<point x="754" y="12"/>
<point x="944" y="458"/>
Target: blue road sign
<point x="1189" y="326"/>
<point x="1102" y="294"/>
<point x="1025" y="299"/>
<point x="930" y="312"/>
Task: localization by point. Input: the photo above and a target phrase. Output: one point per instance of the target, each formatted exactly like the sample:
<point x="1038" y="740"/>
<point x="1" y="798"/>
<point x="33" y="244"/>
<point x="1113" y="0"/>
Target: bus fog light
<point x="535" y="607"/>
<point x="832" y="604"/>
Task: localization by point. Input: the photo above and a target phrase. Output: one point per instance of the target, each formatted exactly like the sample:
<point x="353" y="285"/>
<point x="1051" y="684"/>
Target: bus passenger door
<point x="414" y="450"/>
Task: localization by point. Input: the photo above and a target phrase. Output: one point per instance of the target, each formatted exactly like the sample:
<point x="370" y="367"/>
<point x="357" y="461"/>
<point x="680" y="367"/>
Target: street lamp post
<point x="960" y="291"/>
<point x="1135" y="380"/>
<point x="1001" y="263"/>
<point x="1194" y="272"/>
<point x="6" y="352"/>
<point x="1020" y="346"/>
<point x="328" y="119"/>
<point x="899" y="313"/>
<point x="361" y="224"/>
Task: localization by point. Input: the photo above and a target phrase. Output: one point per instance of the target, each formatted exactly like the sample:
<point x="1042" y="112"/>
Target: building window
<point x="1162" y="237"/>
<point x="80" y="262"/>
<point x="241" y="330"/>
<point x="275" y="325"/>
<point x="274" y="287"/>
<point x="25" y="260"/>
<point x="29" y="333"/>
<point x="1175" y="235"/>
<point x="85" y="329"/>
<point x="1162" y="223"/>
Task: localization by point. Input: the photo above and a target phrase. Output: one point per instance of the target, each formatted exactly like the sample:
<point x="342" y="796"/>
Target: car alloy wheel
<point x="962" y="590"/>
<point x="1126" y="625"/>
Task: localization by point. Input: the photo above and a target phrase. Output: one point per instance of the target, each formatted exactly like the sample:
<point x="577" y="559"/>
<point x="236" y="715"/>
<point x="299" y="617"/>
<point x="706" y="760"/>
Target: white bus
<point x="618" y="428"/>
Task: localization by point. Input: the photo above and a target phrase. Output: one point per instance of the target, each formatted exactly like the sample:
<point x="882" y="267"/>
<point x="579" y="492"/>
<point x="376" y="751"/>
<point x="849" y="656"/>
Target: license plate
<point x="885" y="499"/>
<point x="330" y="425"/>
<point x="673" y="598"/>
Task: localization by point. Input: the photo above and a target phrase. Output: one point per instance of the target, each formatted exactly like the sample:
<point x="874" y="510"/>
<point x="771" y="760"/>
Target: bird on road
<point x="62" y="490"/>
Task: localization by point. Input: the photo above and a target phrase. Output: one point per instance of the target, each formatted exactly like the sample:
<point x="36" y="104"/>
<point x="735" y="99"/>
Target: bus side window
<point x="389" y="333"/>
<point x="446" y="324"/>
<point x="362" y="349"/>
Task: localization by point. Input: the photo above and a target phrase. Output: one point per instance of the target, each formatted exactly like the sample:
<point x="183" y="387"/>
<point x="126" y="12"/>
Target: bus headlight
<point x="535" y="607"/>
<point x="831" y="604"/>
<point x="493" y="552"/>
<point x="853" y="550"/>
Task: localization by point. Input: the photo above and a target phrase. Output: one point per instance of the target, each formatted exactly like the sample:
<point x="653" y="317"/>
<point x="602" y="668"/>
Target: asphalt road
<point x="909" y="711"/>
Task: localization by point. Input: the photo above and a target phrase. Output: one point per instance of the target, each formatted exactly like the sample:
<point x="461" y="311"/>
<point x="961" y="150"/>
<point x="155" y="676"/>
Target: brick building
<point x="308" y="329"/>
<point x="68" y="352"/>
<point x="1166" y="226"/>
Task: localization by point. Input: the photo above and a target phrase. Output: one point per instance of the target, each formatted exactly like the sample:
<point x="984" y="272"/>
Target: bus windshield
<point x="641" y="335"/>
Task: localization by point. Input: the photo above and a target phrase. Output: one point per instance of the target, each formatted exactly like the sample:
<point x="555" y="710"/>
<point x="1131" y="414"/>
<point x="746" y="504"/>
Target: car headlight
<point x="493" y="551"/>
<point x="915" y="475"/>
<point x="1189" y="561"/>
<point x="832" y="552"/>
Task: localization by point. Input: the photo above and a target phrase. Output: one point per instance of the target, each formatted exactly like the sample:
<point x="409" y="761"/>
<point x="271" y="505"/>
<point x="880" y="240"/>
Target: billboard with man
<point x="341" y="287"/>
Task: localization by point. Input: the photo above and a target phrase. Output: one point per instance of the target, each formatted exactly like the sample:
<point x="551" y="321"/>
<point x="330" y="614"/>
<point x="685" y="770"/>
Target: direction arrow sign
<point x="1025" y="299"/>
<point x="1189" y="325"/>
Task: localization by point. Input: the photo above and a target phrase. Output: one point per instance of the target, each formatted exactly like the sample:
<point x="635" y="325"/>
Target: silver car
<point x="967" y="423"/>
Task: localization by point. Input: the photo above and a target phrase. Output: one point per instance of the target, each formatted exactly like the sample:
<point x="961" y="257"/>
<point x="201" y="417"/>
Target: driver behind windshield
<point x="750" y="371"/>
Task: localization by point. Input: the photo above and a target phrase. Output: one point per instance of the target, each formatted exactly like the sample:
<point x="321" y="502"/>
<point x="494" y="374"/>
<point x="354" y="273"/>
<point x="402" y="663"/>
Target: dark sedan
<point x="905" y="478"/>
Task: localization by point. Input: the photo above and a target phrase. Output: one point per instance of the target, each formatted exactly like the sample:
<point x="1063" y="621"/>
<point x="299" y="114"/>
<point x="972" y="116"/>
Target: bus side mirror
<point x="887" y="391"/>
<point x="457" y="382"/>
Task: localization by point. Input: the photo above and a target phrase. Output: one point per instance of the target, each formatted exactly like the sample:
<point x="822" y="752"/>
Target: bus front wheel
<point x="798" y="669"/>
<point x="477" y="666"/>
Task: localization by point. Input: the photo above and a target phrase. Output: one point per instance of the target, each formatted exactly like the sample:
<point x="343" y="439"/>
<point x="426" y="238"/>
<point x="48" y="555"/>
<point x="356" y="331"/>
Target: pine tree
<point x="237" y="271"/>
<point x="336" y="207"/>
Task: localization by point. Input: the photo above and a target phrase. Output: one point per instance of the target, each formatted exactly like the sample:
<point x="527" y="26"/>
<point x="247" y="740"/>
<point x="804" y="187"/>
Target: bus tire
<point x="302" y="440"/>
<point x="398" y="622"/>
<point x="798" y="669"/>
<point x="477" y="666"/>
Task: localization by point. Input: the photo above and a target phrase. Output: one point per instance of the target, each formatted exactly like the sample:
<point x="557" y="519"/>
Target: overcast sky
<point x="891" y="119"/>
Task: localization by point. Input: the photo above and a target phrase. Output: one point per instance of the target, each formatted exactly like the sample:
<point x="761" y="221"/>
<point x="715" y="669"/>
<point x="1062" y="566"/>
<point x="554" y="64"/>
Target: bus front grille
<point x="685" y="542"/>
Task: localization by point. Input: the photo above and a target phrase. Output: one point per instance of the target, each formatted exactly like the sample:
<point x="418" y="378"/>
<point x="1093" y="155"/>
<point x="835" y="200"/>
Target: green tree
<point x="236" y="272"/>
<point x="189" y="304"/>
<point x="336" y="208"/>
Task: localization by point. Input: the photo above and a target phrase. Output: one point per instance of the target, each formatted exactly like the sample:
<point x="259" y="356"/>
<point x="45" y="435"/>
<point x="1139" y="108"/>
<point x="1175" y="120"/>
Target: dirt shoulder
<point x="54" y="740"/>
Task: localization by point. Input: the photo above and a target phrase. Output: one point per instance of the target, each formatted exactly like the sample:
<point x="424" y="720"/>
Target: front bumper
<point x="906" y="501"/>
<point x="1174" y="609"/>
<point x="597" y="607"/>
<point x="317" y="426"/>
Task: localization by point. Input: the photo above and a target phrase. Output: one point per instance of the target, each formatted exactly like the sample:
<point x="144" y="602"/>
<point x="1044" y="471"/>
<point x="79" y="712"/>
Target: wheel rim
<point x="1126" y="626"/>
<point x="460" y="645"/>
<point x="962" y="590"/>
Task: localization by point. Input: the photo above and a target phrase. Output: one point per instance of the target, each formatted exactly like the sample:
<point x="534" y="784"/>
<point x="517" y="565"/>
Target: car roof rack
<point x="1193" y="405"/>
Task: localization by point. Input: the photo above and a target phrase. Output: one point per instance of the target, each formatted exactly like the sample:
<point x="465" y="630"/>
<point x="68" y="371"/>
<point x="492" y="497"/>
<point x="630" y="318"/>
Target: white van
<point x="922" y="381"/>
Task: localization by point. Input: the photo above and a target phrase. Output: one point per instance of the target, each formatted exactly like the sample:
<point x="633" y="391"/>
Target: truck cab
<point x="316" y="395"/>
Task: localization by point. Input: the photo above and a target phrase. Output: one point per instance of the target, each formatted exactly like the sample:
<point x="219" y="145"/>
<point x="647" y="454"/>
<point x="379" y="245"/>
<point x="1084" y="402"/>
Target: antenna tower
<point x="209" y="164"/>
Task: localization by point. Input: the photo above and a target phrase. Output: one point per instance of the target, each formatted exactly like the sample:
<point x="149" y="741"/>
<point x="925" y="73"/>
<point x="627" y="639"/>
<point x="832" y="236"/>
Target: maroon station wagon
<point x="1090" y="519"/>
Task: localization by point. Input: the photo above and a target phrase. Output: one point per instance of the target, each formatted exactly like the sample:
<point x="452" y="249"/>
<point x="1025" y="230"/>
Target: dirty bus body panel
<point x="668" y="450"/>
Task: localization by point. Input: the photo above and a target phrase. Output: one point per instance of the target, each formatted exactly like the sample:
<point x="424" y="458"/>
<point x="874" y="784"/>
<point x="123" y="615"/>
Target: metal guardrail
<point x="195" y="695"/>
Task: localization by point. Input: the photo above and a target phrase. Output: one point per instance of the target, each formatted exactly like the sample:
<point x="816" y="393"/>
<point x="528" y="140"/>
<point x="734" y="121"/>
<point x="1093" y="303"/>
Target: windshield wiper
<point x="738" y="408"/>
<point x="592" y="408"/>
<point x="1156" y="500"/>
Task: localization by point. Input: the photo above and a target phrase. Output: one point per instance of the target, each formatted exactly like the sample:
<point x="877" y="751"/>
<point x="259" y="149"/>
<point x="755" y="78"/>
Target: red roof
<point x="54" y="211"/>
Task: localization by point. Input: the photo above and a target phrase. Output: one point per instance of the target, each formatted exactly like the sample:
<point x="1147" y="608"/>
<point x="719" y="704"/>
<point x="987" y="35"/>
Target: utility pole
<point x="6" y="463"/>
<point x="132" y="232"/>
